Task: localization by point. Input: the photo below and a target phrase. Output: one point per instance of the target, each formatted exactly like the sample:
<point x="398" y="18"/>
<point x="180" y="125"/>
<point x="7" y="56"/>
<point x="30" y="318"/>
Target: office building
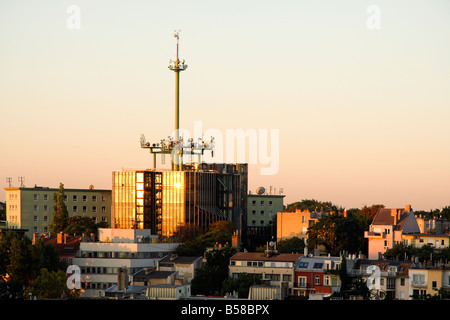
<point x="195" y="196"/>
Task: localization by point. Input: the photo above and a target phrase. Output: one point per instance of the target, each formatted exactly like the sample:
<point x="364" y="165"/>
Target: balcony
<point x="372" y="234"/>
<point x="419" y="284"/>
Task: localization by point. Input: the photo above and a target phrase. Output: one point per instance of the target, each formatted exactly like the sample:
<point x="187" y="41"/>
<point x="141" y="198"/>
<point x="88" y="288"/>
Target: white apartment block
<point x="132" y="249"/>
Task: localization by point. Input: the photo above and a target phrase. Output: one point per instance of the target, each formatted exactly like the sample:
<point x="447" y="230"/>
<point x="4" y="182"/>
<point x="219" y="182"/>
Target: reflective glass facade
<point x="167" y="200"/>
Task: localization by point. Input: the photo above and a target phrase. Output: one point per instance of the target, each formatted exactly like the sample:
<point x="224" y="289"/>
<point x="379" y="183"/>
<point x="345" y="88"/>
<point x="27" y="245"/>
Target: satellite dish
<point x="260" y="190"/>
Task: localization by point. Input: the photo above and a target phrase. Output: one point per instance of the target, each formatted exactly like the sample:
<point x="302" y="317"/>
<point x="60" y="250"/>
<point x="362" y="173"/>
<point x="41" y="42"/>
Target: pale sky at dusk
<point x="363" y="114"/>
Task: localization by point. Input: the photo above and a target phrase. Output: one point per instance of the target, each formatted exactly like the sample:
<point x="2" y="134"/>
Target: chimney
<point x="122" y="279"/>
<point x="394" y="214"/>
<point x="59" y="238"/>
<point x="408" y="208"/>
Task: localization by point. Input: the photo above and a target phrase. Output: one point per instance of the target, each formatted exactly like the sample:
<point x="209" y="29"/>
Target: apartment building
<point x="387" y="278"/>
<point x="296" y="224"/>
<point x="262" y="208"/>
<point x="32" y="208"/>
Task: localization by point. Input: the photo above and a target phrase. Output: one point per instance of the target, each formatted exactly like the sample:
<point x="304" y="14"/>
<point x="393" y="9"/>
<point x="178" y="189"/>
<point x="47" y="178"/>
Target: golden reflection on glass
<point x="174" y="202"/>
<point x="123" y="199"/>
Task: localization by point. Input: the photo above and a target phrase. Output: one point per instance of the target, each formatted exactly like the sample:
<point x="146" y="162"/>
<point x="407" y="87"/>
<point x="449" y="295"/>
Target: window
<point x="317" y="280"/>
<point x="94" y="209"/>
<point x="253" y="222"/>
<point x="262" y="212"/>
<point x="45" y="197"/>
<point x="303" y="265"/>
<point x="84" y="209"/>
<point x="270" y="203"/>
<point x="270" y="214"/>
<point x="45" y="218"/>
<point x="302" y="282"/>
<point x="434" y="285"/>
<point x="262" y="202"/>
<point x="84" y="198"/>
<point x="326" y="280"/>
<point x="287" y="277"/>
<point x="35" y="208"/>
<point x="103" y="198"/>
<point x="65" y="197"/>
<point x="418" y="279"/>
<point x="35" y="219"/>
<point x="318" y="265"/>
<point x="103" y="209"/>
<point x="45" y="208"/>
<point x="104" y="219"/>
<point x="94" y="198"/>
<point x="35" y="197"/>
<point x="75" y="197"/>
<point x="75" y="209"/>
<point x="254" y="212"/>
<point x="402" y="282"/>
<point x="273" y="277"/>
<point x="262" y="222"/>
<point x="253" y="202"/>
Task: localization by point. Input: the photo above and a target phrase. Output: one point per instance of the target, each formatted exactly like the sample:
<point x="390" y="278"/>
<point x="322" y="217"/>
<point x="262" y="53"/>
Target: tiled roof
<point x="71" y="245"/>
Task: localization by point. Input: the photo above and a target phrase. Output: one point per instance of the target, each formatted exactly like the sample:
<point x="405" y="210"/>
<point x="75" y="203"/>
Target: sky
<point x="359" y="91"/>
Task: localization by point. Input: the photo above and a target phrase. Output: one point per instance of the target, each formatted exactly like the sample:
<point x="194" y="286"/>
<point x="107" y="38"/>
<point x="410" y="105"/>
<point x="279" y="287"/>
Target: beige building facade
<point x="32" y="208"/>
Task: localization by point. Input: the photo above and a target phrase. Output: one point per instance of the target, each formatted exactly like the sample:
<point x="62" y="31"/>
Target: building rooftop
<point x="65" y="244"/>
<point x="178" y="259"/>
<point x="259" y="256"/>
<point x="152" y="274"/>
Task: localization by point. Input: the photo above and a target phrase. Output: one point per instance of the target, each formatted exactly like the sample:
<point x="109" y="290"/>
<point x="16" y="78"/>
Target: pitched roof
<point x="70" y="246"/>
<point x="258" y="256"/>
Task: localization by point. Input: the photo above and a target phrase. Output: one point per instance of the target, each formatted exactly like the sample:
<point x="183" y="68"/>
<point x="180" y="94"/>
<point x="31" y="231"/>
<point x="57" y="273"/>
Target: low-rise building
<point x="296" y="224"/>
<point x="388" y="228"/>
<point x="318" y="275"/>
<point x="427" y="280"/>
<point x="130" y="249"/>
<point x="184" y="266"/>
<point x="276" y="269"/>
<point x="387" y="278"/>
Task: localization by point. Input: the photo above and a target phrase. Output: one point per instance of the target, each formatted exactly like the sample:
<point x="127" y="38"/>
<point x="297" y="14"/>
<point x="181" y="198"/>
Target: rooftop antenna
<point x="177" y="66"/>
<point x="22" y="182"/>
<point x="9" y="180"/>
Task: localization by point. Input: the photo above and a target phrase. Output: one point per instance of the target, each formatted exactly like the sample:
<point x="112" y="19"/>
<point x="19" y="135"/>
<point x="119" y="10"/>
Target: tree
<point x="371" y="211"/>
<point x="209" y="278"/>
<point x="312" y="205"/>
<point x="21" y="262"/>
<point x="60" y="213"/>
<point x="219" y="232"/>
<point x="80" y="225"/>
<point x="291" y="245"/>
<point x="241" y="285"/>
<point x="50" y="285"/>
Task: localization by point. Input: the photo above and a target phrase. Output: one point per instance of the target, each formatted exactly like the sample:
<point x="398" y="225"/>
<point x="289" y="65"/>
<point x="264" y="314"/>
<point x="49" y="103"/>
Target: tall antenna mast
<point x="9" y="180"/>
<point x="22" y="182"/>
<point x="175" y="146"/>
<point x="177" y="66"/>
